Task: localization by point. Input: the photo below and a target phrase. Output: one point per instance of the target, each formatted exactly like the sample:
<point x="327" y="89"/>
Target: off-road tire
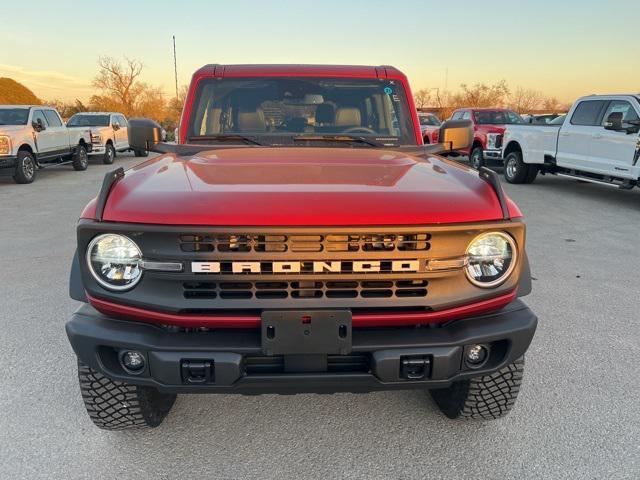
<point x="516" y="171"/>
<point x="476" y="159"/>
<point x="114" y="405"/>
<point x="140" y="153"/>
<point x="26" y="168"/>
<point x="80" y="160"/>
<point x="109" y="154"/>
<point x="484" y="398"/>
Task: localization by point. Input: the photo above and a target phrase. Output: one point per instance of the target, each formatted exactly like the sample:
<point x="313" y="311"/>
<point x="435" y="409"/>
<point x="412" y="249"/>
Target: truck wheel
<point x="25" y="167"/>
<point x="477" y="159"/>
<point x="487" y="398"/>
<point x="80" y="159"/>
<point x="140" y="153"/>
<point x="531" y="174"/>
<point x="114" y="405"/>
<point x="109" y="154"/>
<point x="515" y="170"/>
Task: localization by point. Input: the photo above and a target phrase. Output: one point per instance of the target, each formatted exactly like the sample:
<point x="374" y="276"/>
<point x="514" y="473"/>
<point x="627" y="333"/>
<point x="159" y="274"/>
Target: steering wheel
<point x="359" y="130"/>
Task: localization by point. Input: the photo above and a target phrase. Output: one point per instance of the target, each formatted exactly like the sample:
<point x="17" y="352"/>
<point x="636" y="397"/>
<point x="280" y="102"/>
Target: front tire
<point x="487" y="398"/>
<point x="477" y="158"/>
<point x="109" y="154"/>
<point x="25" y="168"/>
<point x="114" y="405"/>
<point x="80" y="159"/>
<point x="516" y="171"/>
<point x="140" y="153"/>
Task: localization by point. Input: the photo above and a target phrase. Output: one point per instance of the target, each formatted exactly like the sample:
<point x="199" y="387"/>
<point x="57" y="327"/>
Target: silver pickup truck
<point x="34" y="136"/>
<point x="598" y="142"/>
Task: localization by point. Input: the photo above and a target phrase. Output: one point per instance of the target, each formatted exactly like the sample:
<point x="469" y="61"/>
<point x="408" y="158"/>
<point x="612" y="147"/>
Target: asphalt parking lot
<point x="577" y="415"/>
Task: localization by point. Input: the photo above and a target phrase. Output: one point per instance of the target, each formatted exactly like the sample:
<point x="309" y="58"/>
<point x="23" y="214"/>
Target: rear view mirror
<point x="116" y="126"/>
<point x="144" y="134"/>
<point x="456" y="134"/>
<point x="614" y="122"/>
<point x="37" y="125"/>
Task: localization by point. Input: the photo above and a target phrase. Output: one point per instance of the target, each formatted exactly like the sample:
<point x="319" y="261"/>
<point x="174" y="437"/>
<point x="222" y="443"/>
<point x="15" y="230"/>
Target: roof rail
<point x="492" y="179"/>
<point x="110" y="179"/>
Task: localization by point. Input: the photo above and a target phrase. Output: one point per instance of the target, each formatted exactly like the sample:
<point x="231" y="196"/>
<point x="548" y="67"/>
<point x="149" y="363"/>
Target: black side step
<point x="109" y="181"/>
<point x="492" y="179"/>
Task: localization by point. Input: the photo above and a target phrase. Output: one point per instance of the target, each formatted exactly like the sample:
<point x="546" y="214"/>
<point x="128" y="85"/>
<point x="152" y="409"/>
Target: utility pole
<point x="175" y="64"/>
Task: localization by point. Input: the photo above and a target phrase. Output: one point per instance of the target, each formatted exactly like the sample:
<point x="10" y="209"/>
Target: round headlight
<point x="491" y="257"/>
<point x="114" y="261"/>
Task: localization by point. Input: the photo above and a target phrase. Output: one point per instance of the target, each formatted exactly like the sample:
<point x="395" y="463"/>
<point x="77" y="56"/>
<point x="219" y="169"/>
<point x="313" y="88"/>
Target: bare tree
<point x="525" y="100"/>
<point x="481" y="95"/>
<point x="119" y="82"/>
<point x="422" y="98"/>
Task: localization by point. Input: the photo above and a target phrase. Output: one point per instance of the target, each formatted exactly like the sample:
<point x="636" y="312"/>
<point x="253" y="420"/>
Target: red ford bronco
<point x="299" y="237"/>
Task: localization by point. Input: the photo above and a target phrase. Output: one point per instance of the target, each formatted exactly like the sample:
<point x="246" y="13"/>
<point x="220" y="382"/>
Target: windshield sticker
<point x="388" y="90"/>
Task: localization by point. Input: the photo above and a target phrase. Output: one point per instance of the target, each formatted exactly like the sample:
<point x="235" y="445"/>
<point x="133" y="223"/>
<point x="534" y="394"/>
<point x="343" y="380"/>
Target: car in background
<point x="109" y="133"/>
<point x="34" y="137"/>
<point x="543" y="119"/>
<point x="430" y="127"/>
<point x="598" y="142"/>
<point x="489" y="125"/>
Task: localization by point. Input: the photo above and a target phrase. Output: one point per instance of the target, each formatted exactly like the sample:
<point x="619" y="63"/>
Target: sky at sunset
<point x="561" y="48"/>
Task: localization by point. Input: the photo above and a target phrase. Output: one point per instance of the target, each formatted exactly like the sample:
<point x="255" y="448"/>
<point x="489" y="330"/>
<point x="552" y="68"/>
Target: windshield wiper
<point x="231" y="137"/>
<point x="337" y="138"/>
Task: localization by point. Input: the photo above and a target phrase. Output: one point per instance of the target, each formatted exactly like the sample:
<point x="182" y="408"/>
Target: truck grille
<point x="331" y="243"/>
<point x="301" y="290"/>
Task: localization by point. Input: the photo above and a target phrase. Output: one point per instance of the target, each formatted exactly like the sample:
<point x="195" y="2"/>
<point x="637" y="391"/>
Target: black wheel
<point x="25" y="167"/>
<point x="486" y="398"/>
<point x="476" y="159"/>
<point x="515" y="170"/>
<point x="531" y="174"/>
<point x="114" y="405"/>
<point x="140" y="153"/>
<point x="109" y="154"/>
<point x="80" y="159"/>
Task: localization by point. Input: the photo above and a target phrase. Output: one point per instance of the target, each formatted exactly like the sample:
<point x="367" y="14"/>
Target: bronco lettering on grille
<point x="356" y="266"/>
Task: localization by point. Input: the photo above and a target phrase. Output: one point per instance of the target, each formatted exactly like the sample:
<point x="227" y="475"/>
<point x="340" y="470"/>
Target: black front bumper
<point x="236" y="362"/>
<point x="8" y="162"/>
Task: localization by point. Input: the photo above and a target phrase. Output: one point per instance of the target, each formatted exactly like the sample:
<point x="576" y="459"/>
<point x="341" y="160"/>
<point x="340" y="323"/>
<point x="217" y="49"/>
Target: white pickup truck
<point x="34" y="136"/>
<point x="598" y="142"/>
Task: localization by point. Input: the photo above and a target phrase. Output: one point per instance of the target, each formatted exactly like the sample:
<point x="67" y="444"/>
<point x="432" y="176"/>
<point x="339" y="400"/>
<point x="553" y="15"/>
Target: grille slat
<point x="297" y="243"/>
<point x="305" y="289"/>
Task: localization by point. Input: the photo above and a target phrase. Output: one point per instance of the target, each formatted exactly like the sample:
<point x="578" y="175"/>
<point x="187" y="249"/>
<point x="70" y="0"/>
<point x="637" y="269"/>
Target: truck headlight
<point x="494" y="140"/>
<point x="114" y="261"/>
<point x="5" y="145"/>
<point x="491" y="257"/>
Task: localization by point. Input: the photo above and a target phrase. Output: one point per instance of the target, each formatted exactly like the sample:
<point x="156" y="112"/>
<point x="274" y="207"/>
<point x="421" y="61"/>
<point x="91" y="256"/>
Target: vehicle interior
<point x="299" y="106"/>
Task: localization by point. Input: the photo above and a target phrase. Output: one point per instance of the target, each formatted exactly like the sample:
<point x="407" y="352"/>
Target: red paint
<point x="335" y="71"/>
<point x="360" y="320"/>
<point x="304" y="186"/>
<point x="480" y="131"/>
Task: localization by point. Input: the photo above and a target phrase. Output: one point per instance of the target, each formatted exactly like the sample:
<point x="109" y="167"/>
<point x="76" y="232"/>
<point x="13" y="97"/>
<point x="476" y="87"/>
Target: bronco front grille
<point x="300" y="290"/>
<point x="353" y="242"/>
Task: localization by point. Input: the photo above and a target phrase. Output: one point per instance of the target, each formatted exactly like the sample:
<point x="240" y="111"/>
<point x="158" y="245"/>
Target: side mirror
<point x="38" y="126"/>
<point x="456" y="134"/>
<point x="614" y="122"/>
<point x="144" y="134"/>
<point x="116" y="126"/>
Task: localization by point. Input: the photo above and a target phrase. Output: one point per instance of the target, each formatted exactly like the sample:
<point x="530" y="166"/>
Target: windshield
<point x="279" y="110"/>
<point x="14" y="116"/>
<point x="88" y="121"/>
<point x="497" y="117"/>
<point x="429" y="120"/>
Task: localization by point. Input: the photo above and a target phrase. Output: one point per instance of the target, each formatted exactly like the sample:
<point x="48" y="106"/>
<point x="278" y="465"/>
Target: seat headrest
<point x="325" y="113"/>
<point x="348" y="117"/>
<point x="251" y="119"/>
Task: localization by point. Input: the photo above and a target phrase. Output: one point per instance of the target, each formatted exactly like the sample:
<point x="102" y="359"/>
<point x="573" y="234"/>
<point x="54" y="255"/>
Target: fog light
<point x="476" y="354"/>
<point x="133" y="361"/>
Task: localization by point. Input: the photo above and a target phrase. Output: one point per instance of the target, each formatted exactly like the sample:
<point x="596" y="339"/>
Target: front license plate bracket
<point x="298" y="332"/>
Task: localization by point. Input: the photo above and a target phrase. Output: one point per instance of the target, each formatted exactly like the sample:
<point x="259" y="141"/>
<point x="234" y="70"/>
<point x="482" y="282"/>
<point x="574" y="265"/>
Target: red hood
<point x="300" y="186"/>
